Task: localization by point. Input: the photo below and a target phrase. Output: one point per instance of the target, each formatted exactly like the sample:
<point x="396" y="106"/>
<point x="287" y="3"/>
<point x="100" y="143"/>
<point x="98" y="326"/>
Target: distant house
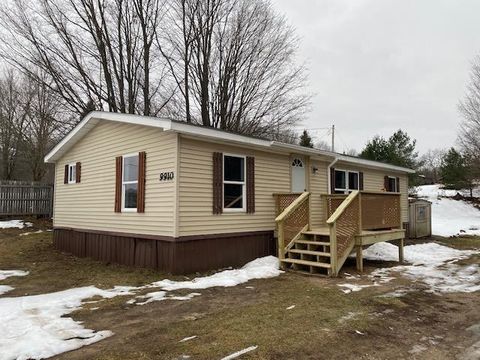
<point x="157" y="193"/>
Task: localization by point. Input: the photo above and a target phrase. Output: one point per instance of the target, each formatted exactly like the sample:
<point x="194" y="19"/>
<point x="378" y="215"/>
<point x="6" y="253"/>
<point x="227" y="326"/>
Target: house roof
<point x="93" y="118"/>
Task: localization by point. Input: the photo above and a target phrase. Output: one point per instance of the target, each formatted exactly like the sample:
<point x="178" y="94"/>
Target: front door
<point x="298" y="174"/>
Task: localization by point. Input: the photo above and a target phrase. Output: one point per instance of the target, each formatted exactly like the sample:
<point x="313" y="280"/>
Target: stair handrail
<point x="283" y="216"/>
<point x="332" y="223"/>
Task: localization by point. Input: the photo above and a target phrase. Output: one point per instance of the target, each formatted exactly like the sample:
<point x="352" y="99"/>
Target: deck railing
<point x="380" y="210"/>
<point x="292" y="221"/>
<point x="344" y="224"/>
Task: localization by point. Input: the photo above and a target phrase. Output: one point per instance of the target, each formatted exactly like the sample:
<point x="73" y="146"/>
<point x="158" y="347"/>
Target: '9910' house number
<point x="165" y="176"/>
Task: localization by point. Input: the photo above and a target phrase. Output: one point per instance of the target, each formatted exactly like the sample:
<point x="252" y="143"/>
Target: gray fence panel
<point x="25" y="198"/>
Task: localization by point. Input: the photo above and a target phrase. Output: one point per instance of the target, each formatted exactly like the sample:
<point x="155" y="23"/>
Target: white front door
<point x="298" y="174"/>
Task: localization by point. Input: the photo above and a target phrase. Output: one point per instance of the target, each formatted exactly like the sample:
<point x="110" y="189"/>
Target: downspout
<point x="329" y="177"/>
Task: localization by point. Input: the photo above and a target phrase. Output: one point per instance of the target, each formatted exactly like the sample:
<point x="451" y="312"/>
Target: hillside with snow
<point x="450" y="217"/>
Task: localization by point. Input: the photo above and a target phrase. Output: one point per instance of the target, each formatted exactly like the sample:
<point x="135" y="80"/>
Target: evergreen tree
<point x="399" y="150"/>
<point x="306" y="139"/>
<point x="454" y="170"/>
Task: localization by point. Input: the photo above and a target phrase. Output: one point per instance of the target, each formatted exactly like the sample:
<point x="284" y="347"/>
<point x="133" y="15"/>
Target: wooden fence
<point x="20" y="198"/>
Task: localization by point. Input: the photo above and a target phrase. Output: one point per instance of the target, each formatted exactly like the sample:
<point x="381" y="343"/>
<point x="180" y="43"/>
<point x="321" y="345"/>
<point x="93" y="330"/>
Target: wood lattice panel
<point x="348" y="225"/>
<point x="333" y="202"/>
<point x="295" y="222"/>
<point x="380" y="211"/>
<point x="282" y="201"/>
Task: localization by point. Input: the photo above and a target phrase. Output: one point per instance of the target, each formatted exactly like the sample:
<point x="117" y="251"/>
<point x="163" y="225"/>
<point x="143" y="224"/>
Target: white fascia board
<point x="92" y="118"/>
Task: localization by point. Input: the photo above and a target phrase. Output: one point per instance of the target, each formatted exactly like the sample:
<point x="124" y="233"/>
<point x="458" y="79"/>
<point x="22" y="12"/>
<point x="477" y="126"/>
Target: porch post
<point x="360" y="258"/>
<point x="400" y="250"/>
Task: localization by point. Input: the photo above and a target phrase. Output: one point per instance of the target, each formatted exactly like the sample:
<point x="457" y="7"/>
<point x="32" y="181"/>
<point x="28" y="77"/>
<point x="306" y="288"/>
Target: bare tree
<point x="469" y="137"/>
<point x="96" y="52"/>
<point x="45" y="123"/>
<point x="14" y="106"/>
<point x="430" y="164"/>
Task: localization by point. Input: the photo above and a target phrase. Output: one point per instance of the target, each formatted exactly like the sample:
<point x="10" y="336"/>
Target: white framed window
<point x="129" y="182"/>
<point x="72" y="173"/>
<point x="234" y="189"/>
<point x="346" y="181"/>
<point x="392" y="184"/>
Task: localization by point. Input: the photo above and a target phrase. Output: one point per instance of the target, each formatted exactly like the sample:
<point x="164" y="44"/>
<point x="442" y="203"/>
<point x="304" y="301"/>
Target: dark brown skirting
<point x="181" y="255"/>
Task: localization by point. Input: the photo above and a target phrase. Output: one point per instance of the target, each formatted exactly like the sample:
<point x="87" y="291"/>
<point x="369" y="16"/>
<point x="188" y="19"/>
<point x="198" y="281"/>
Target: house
<point x="153" y="192"/>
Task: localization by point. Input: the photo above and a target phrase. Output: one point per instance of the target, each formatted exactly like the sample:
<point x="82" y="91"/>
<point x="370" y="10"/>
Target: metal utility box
<point x="420" y="218"/>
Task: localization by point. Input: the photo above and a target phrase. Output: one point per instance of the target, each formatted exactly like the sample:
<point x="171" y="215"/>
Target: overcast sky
<point x="379" y="65"/>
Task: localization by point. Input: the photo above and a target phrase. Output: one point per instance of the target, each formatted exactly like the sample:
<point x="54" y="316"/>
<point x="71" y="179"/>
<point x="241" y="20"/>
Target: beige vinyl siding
<point x="318" y="185"/>
<point x="90" y="204"/>
<point x="272" y="174"/>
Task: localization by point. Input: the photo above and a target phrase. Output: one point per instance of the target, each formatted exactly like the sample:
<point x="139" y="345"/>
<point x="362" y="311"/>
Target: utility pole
<point x="333" y="138"/>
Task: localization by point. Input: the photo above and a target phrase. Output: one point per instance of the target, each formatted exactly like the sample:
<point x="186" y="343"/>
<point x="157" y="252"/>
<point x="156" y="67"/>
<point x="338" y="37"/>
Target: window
<point x="130" y="182"/>
<point x="392" y="184"/>
<point x="346" y="181"/>
<point x="72" y="173"/>
<point x="297" y="163"/>
<point x="233" y="183"/>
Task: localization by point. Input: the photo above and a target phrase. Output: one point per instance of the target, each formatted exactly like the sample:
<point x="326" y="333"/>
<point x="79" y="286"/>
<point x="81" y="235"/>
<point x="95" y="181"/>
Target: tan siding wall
<point x="272" y="174"/>
<point x="318" y="185"/>
<point x="90" y="204"/>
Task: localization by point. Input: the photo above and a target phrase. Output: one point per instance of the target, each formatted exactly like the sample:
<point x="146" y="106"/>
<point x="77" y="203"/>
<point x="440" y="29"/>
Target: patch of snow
<point x="162" y="295"/>
<point x="10" y="224"/>
<point x="450" y="217"/>
<point x="359" y="332"/>
<point x="290" y="307"/>
<point x="354" y="287"/>
<point x="8" y="273"/>
<point x="31" y="232"/>
<point x="5" y="288"/>
<point x="239" y="353"/>
<point x="432" y="264"/>
<point x="34" y="327"/>
<point x="188" y="338"/>
<point x="261" y="268"/>
<point x="350" y="316"/>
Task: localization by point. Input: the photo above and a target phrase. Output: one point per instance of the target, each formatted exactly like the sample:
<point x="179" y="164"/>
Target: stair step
<point x="311" y="242"/>
<point x="309" y="252"/>
<point x="320" y="232"/>
<point x="308" y="263"/>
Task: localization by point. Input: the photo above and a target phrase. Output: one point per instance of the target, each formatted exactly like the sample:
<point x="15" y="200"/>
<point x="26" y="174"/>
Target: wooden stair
<point x="310" y="253"/>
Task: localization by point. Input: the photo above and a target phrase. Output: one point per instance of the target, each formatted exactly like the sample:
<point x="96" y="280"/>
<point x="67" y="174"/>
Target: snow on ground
<point x="33" y="327"/>
<point x="450" y="217"/>
<point x="432" y="264"/>
<point x="239" y="353"/>
<point x="262" y="268"/>
<point x="19" y="224"/>
<point x="31" y="232"/>
<point x="5" y="288"/>
<point x="8" y="273"/>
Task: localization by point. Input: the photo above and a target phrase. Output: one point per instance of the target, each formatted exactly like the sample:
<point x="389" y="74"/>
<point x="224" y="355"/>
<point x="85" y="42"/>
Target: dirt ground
<point x="324" y="324"/>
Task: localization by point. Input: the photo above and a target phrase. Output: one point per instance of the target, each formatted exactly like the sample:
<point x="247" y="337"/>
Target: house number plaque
<point x="165" y="176"/>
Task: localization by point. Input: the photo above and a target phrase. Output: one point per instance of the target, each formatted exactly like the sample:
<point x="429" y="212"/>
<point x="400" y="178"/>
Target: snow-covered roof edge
<point x="94" y="117"/>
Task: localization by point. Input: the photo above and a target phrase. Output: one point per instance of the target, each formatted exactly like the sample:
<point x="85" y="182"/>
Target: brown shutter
<point x="118" y="183"/>
<point x="65" y="177"/>
<point x="332" y="181"/>
<point x="398" y="184"/>
<point x="385" y="183"/>
<point x="142" y="157"/>
<point x="250" y="184"/>
<point x="217" y="183"/>
<point x="360" y="181"/>
<point x="78" y="172"/>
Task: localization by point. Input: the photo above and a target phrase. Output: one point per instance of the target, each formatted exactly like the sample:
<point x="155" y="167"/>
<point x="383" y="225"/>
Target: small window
<point x="130" y="182"/>
<point x="233" y="183"/>
<point x="297" y="163"/>
<point x="72" y="173"/>
<point x="392" y="184"/>
<point x="346" y="181"/>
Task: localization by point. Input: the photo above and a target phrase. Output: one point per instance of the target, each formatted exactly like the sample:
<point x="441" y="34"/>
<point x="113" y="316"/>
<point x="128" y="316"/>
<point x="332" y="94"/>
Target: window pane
<point x="130" y="168"/>
<point x="130" y="196"/>
<point x="392" y="184"/>
<point x="340" y="181"/>
<point x="73" y="172"/>
<point x="232" y="196"/>
<point x="234" y="168"/>
<point x="352" y="181"/>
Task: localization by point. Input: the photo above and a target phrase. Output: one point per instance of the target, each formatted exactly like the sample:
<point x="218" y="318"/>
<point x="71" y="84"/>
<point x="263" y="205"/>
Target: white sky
<point x="379" y="65"/>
